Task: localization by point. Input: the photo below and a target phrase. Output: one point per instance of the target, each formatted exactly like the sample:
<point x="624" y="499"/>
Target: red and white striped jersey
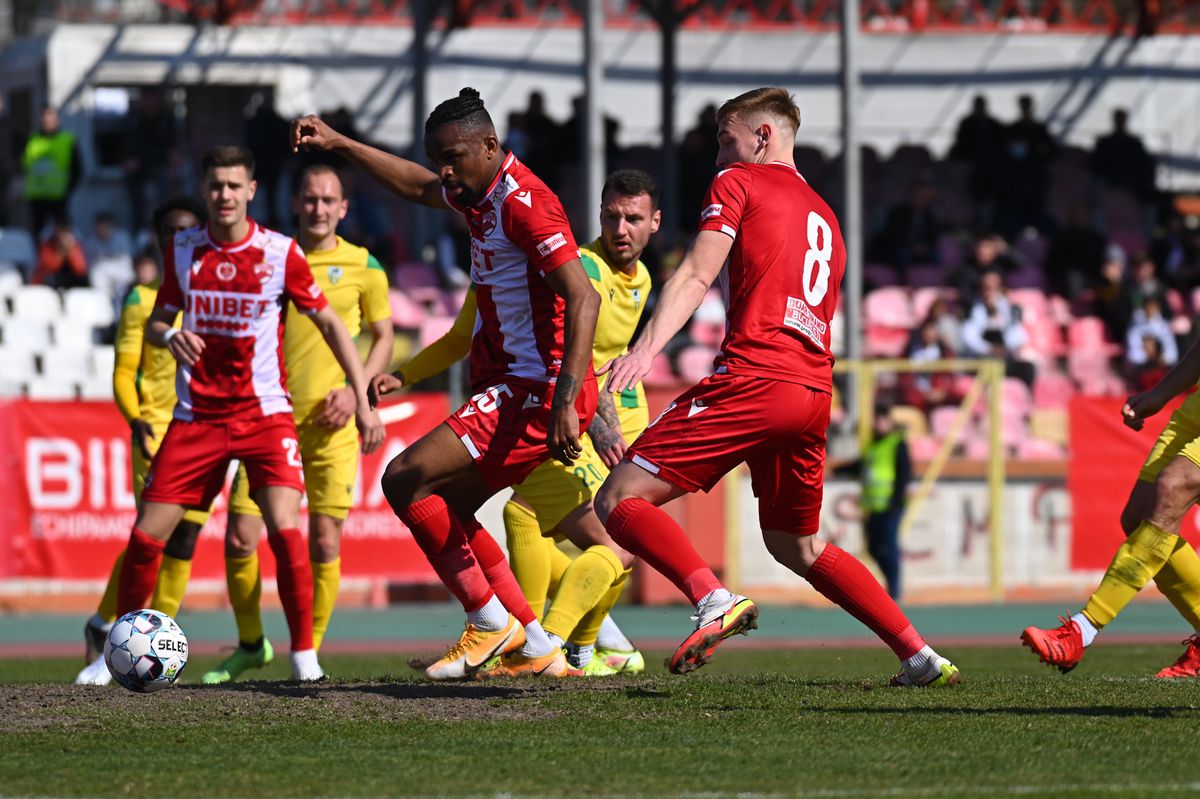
<point x="519" y="234"/>
<point x="233" y="296"/>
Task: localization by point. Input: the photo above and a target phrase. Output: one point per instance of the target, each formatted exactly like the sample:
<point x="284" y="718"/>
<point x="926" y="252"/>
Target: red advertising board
<point x="1104" y="463"/>
<point x="66" y="501"/>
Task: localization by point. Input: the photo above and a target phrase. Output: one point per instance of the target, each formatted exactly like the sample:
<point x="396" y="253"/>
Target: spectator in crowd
<point x="1110" y="294"/>
<point x="1153" y="367"/>
<point x="1028" y="148"/>
<point x="993" y="329"/>
<point x="1121" y="160"/>
<point x="262" y="132"/>
<point x="909" y="234"/>
<point x="109" y="253"/>
<point x="52" y="168"/>
<point x="1076" y="255"/>
<point x="1144" y="283"/>
<point x="927" y="390"/>
<point x="1148" y="322"/>
<point x="696" y="157"/>
<point x="61" y="261"/>
<point x="544" y="156"/>
<point x="148" y="142"/>
<point x="1176" y="251"/>
<point x="979" y="141"/>
<point x="990" y="253"/>
<point x="8" y="164"/>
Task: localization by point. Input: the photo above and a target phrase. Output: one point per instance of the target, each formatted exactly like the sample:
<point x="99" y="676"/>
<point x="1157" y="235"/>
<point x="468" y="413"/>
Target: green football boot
<point x="238" y="663"/>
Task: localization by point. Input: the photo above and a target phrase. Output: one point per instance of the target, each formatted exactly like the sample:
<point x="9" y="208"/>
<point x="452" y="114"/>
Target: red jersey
<point x="233" y="296"/>
<point x="783" y="278"/>
<point x="519" y="234"/>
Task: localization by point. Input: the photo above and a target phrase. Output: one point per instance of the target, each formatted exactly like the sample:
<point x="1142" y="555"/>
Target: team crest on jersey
<point x="335" y="274"/>
<point x="637" y="299"/>
<point x="226" y="271"/>
<point x="487" y="222"/>
<point x="263" y="271"/>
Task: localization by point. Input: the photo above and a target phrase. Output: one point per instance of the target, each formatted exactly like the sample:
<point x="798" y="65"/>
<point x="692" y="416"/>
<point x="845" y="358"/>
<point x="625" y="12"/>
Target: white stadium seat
<point x="68" y="365"/>
<point x="103" y="359"/>
<point x="36" y="302"/>
<point x="89" y="305"/>
<point x="51" y="388"/>
<point x="27" y="335"/>
<point x="96" y="387"/>
<point x="73" y="334"/>
<point x="18" y="364"/>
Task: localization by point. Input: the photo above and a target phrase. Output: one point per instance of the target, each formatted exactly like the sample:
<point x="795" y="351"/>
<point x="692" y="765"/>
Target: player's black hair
<point x="180" y="202"/>
<point x="228" y="155"/>
<point x="632" y="183"/>
<point x="465" y="110"/>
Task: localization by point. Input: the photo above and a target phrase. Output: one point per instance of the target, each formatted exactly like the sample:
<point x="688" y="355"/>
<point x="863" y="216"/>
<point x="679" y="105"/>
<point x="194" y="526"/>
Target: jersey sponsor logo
<point x="711" y="211"/>
<point x="226" y="271"/>
<point x="551" y="244"/>
<point x="335" y="274"/>
<point x="525" y="196"/>
<point x="219" y="311"/>
<point x="800" y="317"/>
<point x="263" y="271"/>
<point x="697" y="407"/>
<point x="487" y="222"/>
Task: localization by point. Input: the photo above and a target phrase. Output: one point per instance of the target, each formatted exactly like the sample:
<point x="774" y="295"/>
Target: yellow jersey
<point x="357" y="289"/>
<point x="622" y="301"/>
<point x="143" y="374"/>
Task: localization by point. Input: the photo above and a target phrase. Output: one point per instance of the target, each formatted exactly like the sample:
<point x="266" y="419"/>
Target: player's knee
<point x="1176" y="488"/>
<point x="182" y="543"/>
<point x="242" y="536"/>
<point x="324" y="538"/>
<point x="402" y="482"/>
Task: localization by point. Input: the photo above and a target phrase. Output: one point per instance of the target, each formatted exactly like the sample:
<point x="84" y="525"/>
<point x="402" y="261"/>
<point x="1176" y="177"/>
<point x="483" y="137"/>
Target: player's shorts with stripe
<point x="504" y="427"/>
<point x="776" y="428"/>
<point x="1181" y="436"/>
<point x="189" y="468"/>
<point x="141" y="467"/>
<point x="330" y="460"/>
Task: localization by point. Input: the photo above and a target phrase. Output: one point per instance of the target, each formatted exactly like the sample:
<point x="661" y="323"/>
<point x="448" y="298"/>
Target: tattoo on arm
<point x="607" y="410"/>
<point x="564" y="392"/>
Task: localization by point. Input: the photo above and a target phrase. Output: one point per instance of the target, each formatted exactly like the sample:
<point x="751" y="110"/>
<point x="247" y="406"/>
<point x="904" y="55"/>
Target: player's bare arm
<point x="333" y="330"/>
<point x="681" y="295"/>
<point x="605" y="431"/>
<point x="184" y="345"/>
<point x="1180" y="378"/>
<point x="340" y="404"/>
<point x="406" y="178"/>
<point x="571" y="283"/>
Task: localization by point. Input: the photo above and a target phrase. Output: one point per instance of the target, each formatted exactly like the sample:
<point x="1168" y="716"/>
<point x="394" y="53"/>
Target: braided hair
<point x="466" y="110"/>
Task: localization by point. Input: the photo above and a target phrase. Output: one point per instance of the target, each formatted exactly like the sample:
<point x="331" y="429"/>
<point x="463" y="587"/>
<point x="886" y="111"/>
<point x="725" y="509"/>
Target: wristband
<point x="170" y="334"/>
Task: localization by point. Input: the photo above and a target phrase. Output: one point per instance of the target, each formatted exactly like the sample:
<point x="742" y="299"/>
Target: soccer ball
<point x="146" y="651"/>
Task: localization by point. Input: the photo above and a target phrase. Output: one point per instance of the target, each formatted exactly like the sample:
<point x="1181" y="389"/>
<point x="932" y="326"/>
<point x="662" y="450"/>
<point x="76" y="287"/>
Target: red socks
<point x="495" y="567"/>
<point x="442" y="538"/>
<point x="139" y="572"/>
<point x="652" y="535"/>
<point x="294" y="576"/>
<point x="841" y="578"/>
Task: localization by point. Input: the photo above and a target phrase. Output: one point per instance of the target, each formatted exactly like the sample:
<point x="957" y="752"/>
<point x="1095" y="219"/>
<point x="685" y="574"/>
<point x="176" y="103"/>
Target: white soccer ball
<point x="146" y="651"/>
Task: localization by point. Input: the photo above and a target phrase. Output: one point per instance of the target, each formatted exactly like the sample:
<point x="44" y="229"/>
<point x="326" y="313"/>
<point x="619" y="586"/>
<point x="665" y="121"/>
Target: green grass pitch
<point x="817" y="722"/>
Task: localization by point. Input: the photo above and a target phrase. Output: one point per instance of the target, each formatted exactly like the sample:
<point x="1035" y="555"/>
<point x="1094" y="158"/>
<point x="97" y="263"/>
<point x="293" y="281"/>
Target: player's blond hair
<point x="769" y="101"/>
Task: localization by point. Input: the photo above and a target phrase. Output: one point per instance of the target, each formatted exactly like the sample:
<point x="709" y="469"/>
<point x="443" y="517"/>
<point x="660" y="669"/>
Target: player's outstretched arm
<point x="406" y="178"/>
<point x="571" y="283"/>
<point x="681" y="295"/>
<point x="184" y="345"/>
<point x="1180" y="378"/>
<point x="333" y="330"/>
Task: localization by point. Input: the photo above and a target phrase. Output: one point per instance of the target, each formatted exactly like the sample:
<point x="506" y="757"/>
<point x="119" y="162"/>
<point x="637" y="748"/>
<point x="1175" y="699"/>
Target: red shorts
<point x="776" y="428"/>
<point x="504" y="427"/>
<point x="190" y="465"/>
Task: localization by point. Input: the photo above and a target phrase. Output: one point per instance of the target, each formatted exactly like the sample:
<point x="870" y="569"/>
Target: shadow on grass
<point x="407" y="689"/>
<point x="1096" y="711"/>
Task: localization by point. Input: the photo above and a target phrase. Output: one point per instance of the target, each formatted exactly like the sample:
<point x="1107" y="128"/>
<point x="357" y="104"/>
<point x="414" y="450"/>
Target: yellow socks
<point x="1179" y="581"/>
<point x="172" y="582"/>
<point x="107" y="609"/>
<point x="1136" y="563"/>
<point x="327" y="577"/>
<point x="528" y="555"/>
<point x="245" y="593"/>
<point x="586" y="581"/>
<point x="588" y="629"/>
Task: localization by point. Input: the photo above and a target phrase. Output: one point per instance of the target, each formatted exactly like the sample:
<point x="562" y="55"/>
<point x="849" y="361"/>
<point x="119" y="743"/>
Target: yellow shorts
<point x="1181" y="436"/>
<point x="141" y="467"/>
<point x="330" y="460"/>
<point x="554" y="490"/>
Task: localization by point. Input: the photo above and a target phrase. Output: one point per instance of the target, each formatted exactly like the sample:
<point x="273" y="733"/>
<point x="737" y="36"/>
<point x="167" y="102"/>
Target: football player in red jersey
<point x="231" y="279"/>
<point x="767" y="405"/>
<point x="531" y="372"/>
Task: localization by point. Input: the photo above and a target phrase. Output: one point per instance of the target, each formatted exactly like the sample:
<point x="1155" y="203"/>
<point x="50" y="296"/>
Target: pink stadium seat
<point x="1034" y="305"/>
<point x="696" y="363"/>
<point x="706" y="333"/>
<point x="924" y="298"/>
<point x="1046" y="338"/>
<point x="923" y="448"/>
<point x="1175" y="302"/>
<point x="434" y="327"/>
<point x="1086" y="334"/>
<point x="941" y="420"/>
<point x="1060" y="310"/>
<point x="405" y="312"/>
<point x="1052" y="390"/>
<point x="453" y="299"/>
<point x="415" y="274"/>
<point x="888" y="307"/>
<point x="977" y="448"/>
<point x="1039" y="449"/>
<point x="1015" y="396"/>
<point x="885" y="342"/>
<point x="1196" y="299"/>
<point x="660" y="374"/>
